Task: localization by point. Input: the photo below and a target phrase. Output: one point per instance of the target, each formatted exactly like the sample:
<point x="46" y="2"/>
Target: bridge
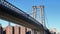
<point x="11" y="13"/>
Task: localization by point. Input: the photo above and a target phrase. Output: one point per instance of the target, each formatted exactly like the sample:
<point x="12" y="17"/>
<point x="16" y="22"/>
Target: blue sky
<point x="52" y="10"/>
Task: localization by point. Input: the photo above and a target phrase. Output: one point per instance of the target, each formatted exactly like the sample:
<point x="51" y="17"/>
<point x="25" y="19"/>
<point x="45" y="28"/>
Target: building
<point x="53" y="31"/>
<point x="16" y="30"/>
<point x="58" y="33"/>
<point x="22" y="30"/>
<point x="1" y="29"/>
<point x="28" y="31"/>
<point x="9" y="30"/>
<point x="19" y="30"/>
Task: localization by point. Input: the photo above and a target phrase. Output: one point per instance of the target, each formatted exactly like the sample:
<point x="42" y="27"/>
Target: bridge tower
<point x="34" y="15"/>
<point x="34" y="12"/>
<point x="42" y="15"/>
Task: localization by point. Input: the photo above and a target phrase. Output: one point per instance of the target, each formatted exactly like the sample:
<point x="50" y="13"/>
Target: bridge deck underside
<point x="7" y="14"/>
